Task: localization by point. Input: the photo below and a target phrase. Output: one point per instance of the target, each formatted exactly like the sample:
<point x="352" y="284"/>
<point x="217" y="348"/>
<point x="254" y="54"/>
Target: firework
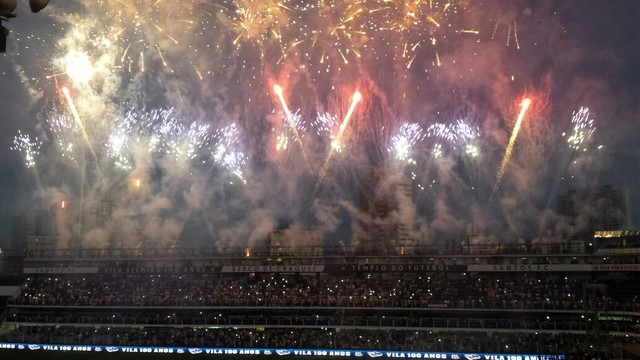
<point x="148" y="130"/>
<point x="524" y="106"/>
<point x="113" y="40"/>
<point x="116" y="148"/>
<point x="336" y="142"/>
<point x="466" y="137"/>
<point x="325" y="123"/>
<point x="160" y="132"/>
<point x="508" y="18"/>
<point x="332" y="34"/>
<point x="80" y="125"/>
<point x="227" y="153"/>
<point x="292" y="122"/>
<point x="583" y="128"/>
<point x="29" y="148"/>
<point x="465" y="132"/>
<point x="440" y="133"/>
<point x="255" y="22"/>
<point x="440" y="130"/>
<point x="150" y="89"/>
<point x="420" y="24"/>
<point x="355" y="99"/>
<point x="79" y="67"/>
<point x="403" y="142"/>
<point x="282" y="141"/>
<point x="67" y="139"/>
<point x="187" y="141"/>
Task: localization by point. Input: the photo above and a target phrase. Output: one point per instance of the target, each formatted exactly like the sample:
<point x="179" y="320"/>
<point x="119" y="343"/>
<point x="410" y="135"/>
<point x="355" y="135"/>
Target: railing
<point x="173" y="252"/>
<point x="387" y="304"/>
<point x="395" y="323"/>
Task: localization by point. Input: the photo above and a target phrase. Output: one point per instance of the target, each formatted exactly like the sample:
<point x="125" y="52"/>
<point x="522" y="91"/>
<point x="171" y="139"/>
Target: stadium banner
<point x="295" y="353"/>
<point x="396" y="268"/>
<point x="616" y="267"/>
<point x="332" y="268"/>
<point x="273" y="268"/>
<point x="530" y="268"/>
<point x="60" y="270"/>
<point x="177" y="269"/>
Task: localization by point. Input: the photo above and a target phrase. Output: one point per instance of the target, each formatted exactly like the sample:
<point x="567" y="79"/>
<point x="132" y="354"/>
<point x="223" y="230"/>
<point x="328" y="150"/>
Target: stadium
<point x="546" y="302"/>
<point x="240" y="179"/>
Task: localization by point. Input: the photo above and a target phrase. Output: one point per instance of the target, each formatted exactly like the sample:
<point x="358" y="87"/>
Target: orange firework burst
<point x="256" y="22"/>
<point x="420" y="23"/>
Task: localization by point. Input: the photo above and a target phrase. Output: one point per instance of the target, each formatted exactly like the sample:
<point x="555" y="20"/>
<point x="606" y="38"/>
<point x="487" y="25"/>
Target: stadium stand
<point x="505" y="301"/>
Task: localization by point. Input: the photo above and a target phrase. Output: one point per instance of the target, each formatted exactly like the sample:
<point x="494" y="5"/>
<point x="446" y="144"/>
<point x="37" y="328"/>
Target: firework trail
<point x="286" y="132"/>
<point x="80" y="125"/>
<point x="512" y="140"/>
<point x="509" y="19"/>
<point x="357" y="96"/>
<point x="336" y="142"/>
<point x="292" y="124"/>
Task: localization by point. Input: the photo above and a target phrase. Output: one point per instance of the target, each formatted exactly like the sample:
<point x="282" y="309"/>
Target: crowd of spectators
<point x="574" y="345"/>
<point x="550" y="292"/>
<point x="528" y="312"/>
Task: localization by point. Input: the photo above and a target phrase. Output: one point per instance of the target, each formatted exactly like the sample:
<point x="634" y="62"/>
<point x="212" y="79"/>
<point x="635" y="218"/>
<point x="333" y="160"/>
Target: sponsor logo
<point x="283" y="352"/>
<point x="111" y="349"/>
<point x="374" y="354"/>
<point x="34" y="347"/>
<point x="195" y="351"/>
<point x="472" y="356"/>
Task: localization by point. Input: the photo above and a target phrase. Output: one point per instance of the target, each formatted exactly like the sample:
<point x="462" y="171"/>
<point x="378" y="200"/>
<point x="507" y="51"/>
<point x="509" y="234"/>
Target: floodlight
<point x="7" y="7"/>
<point x="37" y="5"/>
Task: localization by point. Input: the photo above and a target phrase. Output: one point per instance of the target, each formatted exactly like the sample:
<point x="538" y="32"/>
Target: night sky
<point x="183" y="134"/>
